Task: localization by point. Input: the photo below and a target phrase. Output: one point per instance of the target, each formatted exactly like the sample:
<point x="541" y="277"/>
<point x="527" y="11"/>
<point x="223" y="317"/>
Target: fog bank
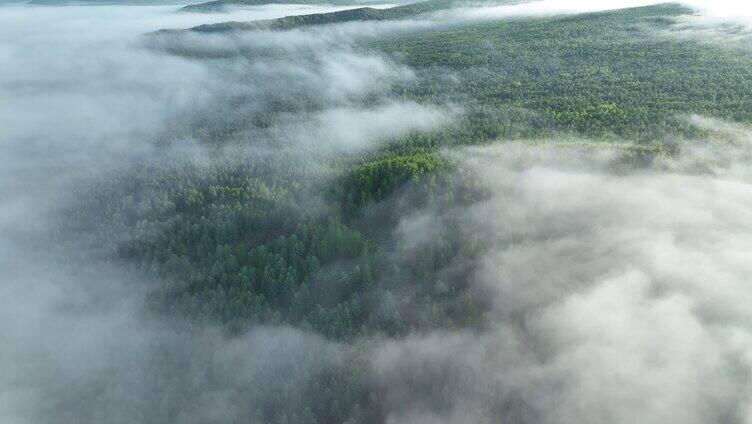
<point x="86" y="99"/>
<point x="618" y="292"/>
<point x="619" y="295"/>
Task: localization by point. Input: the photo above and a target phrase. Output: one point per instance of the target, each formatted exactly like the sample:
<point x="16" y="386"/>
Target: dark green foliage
<point x="242" y="243"/>
<point x="378" y="178"/>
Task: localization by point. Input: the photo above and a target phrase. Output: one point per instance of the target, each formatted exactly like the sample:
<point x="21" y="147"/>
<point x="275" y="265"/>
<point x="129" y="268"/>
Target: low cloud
<point x="618" y="295"/>
<point x="88" y="99"/>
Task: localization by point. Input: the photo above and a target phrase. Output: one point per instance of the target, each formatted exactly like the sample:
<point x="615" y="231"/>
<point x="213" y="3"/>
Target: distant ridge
<point x="221" y="5"/>
<point x="350" y="15"/>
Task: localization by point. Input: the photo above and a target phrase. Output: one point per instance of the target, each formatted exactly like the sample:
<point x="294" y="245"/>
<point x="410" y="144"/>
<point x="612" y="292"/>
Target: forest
<point x="243" y="246"/>
<point x="296" y="198"/>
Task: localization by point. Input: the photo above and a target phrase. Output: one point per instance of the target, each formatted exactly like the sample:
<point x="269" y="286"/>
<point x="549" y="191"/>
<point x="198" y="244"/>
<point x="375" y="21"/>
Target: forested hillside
<point x="299" y="196"/>
<point x="402" y="12"/>
<point x="244" y="247"/>
<point x="275" y="241"/>
<point x="224" y="5"/>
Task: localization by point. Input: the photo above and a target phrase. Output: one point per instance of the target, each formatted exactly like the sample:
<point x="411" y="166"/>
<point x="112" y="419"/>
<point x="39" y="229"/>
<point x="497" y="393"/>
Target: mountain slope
<point x="224" y="5"/>
<point x="353" y="15"/>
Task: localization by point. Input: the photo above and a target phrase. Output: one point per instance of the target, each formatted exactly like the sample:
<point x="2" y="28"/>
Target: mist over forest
<point x="447" y="211"/>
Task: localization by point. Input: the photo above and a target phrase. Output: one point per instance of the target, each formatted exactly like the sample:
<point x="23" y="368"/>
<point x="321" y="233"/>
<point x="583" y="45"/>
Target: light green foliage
<point x="597" y="75"/>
